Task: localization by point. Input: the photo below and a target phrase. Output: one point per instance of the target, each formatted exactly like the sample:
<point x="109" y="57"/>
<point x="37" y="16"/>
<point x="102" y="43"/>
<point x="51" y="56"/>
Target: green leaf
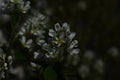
<point x="50" y="74"/>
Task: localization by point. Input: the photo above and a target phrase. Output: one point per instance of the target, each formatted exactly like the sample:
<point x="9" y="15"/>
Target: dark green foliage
<point x="50" y="74"/>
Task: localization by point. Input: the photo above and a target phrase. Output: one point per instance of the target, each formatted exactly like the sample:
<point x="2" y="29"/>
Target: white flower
<point x="114" y="52"/>
<point x="89" y="55"/>
<point x="36" y="54"/>
<point x="26" y="43"/>
<point x="74" y="51"/>
<point x="22" y="31"/>
<point x="84" y="71"/>
<point x="52" y="33"/>
<point x="73" y="44"/>
<point x="45" y="47"/>
<point x="82" y="5"/>
<point x="18" y="71"/>
<point x="9" y="58"/>
<point x="33" y="64"/>
<point x="62" y="35"/>
<point x="72" y="47"/>
<point x="99" y="66"/>
<point x="3" y="5"/>
<point x="24" y="6"/>
<point x="34" y="27"/>
<point x="57" y="27"/>
<point x="40" y="42"/>
<point x="52" y="52"/>
<point x="66" y="27"/>
<point x="75" y="60"/>
<point x="4" y="64"/>
<point x="34" y="31"/>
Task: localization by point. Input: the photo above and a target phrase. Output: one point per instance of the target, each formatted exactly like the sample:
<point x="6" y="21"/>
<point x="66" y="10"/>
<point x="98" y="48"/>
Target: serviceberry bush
<point x="29" y="48"/>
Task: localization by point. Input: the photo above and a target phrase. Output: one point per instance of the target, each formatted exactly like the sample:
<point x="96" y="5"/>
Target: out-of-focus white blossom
<point x="35" y="66"/>
<point x="10" y="5"/>
<point x="82" y="5"/>
<point x="24" y="6"/>
<point x="99" y="66"/>
<point x="10" y="58"/>
<point x="5" y="64"/>
<point x="84" y="71"/>
<point x="75" y="51"/>
<point x="18" y="71"/>
<point x="25" y="29"/>
<point x="3" y="5"/>
<point x="75" y="60"/>
<point x="5" y="18"/>
<point x="16" y="1"/>
<point x="36" y="55"/>
<point x="114" y="52"/>
<point x="89" y="55"/>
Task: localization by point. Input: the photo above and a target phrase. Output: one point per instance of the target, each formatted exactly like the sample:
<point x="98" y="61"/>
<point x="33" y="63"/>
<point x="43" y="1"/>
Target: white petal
<point x="84" y="71"/>
<point x="45" y="46"/>
<point x="75" y="51"/>
<point x="99" y="66"/>
<point x="5" y="64"/>
<point x="89" y="55"/>
<point x="73" y="44"/>
<point x="72" y="35"/>
<point x="9" y="58"/>
<point x="21" y="33"/>
<point x="23" y="29"/>
<point x="57" y="27"/>
<point x="52" y="33"/>
<point x="36" y="55"/>
<point x="23" y="40"/>
<point x="40" y="42"/>
<point x="66" y="27"/>
<point x="29" y="41"/>
<point x="33" y="64"/>
<point x="11" y="0"/>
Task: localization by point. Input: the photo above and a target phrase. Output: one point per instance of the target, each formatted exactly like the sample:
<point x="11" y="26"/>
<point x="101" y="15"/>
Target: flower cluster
<point x="34" y="27"/>
<point x="5" y="64"/>
<point x="60" y="39"/>
<point x="20" y="5"/>
<point x="44" y="45"/>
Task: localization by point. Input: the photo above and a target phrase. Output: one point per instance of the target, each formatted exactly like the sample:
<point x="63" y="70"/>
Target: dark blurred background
<point x="97" y="24"/>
